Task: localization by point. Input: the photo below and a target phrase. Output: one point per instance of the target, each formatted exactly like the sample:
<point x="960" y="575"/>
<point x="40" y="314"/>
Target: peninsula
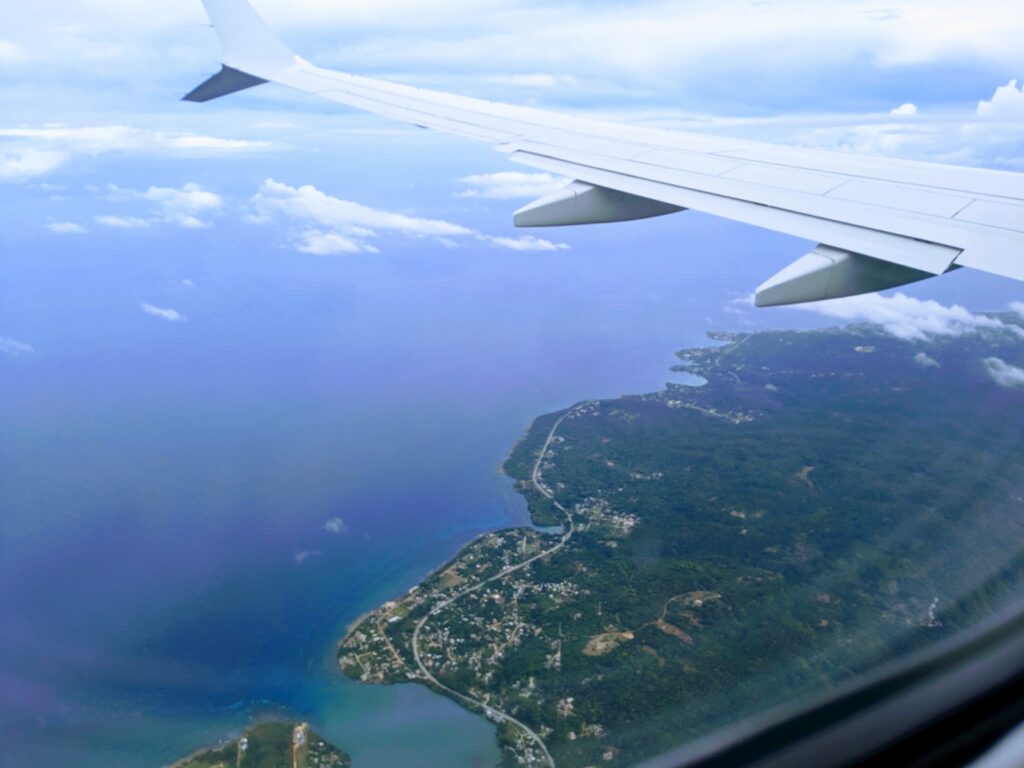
<point x="705" y="553"/>
<point x="271" y="745"/>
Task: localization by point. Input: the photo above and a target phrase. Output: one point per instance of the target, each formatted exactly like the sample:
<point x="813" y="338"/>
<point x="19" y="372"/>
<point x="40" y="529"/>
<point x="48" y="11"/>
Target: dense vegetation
<point x="271" y="745"/>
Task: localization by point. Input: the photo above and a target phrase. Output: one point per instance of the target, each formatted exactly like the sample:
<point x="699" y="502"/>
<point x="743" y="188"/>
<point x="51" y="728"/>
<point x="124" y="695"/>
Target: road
<point x="496" y="714"/>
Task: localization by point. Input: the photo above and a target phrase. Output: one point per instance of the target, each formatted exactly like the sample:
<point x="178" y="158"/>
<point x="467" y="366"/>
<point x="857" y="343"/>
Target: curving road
<point x="496" y="714"/>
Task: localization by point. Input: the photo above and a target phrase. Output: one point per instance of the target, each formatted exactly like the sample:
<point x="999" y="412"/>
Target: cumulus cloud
<point x="336" y="526"/>
<point x="1006" y="103"/>
<point x="171" y="315"/>
<point x="186" y="283"/>
<point x="1004" y="374"/>
<point x="525" y="243"/>
<point x="926" y="361"/>
<point x="303" y="557"/>
<point x="22" y="164"/>
<point x="181" y="206"/>
<point x="13" y="348"/>
<point x="344" y="227"/>
<point x="329" y="244"/>
<point x="66" y="228"/>
<point x="510" y="185"/>
<point x="1018" y="307"/>
<point x="904" y="110"/>
<point x="123" y="222"/>
<point x="307" y="203"/>
<point x="909" y="318"/>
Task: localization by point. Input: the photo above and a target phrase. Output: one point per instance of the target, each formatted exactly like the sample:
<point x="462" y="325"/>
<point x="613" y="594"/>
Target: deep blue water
<point x="165" y="573"/>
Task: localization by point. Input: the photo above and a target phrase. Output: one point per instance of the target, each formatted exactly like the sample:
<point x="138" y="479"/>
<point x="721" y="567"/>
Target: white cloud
<point x="12" y="348"/>
<point x="307" y="203"/>
<point x="66" y="228"/>
<point x="186" y="283"/>
<point x="192" y="141"/>
<point x="1018" y="307"/>
<point x="667" y="39"/>
<point x="123" y="222"/>
<point x="679" y="32"/>
<point x="303" y="557"/>
<point x="29" y="152"/>
<point x="526" y="243"/>
<point x="904" y="110"/>
<point x="1004" y="374"/>
<point x="336" y="526"/>
<point x="170" y="205"/>
<point x="171" y="315"/>
<point x="510" y="185"/>
<point x="329" y="244"/>
<point x="180" y="206"/>
<point x="99" y="139"/>
<point x="1006" y="103"/>
<point x="343" y="226"/>
<point x="909" y="318"/>
<point x="21" y="163"/>
<point x="926" y="361"/>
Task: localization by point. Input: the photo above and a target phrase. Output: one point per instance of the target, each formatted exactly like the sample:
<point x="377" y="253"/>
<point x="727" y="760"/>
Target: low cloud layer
<point x="1004" y="374"/>
<point x="511" y="185"/>
<point x="18" y="164"/>
<point x="332" y="226"/>
<point x="27" y="153"/>
<point x="14" y="348"/>
<point x="123" y="222"/>
<point x="66" y="228"/>
<point x="309" y="204"/>
<point x="171" y="315"/>
<point x="304" y="557"/>
<point x="524" y="243"/>
<point x="909" y="318"/>
<point x="336" y="526"/>
<point x="182" y="206"/>
<point x="926" y="361"/>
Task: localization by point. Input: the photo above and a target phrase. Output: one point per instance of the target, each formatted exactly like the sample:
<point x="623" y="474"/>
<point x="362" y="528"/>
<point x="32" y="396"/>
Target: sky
<point x="85" y="80"/>
<point x="97" y="150"/>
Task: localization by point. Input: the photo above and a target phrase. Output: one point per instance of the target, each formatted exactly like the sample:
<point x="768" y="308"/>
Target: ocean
<point x="194" y="511"/>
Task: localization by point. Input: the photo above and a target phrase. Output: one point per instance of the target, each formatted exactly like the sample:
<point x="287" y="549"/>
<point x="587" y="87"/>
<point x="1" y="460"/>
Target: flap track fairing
<point x="832" y="273"/>
<point x="581" y="203"/>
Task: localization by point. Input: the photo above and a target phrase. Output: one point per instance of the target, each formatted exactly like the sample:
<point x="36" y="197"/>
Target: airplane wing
<point x="880" y="222"/>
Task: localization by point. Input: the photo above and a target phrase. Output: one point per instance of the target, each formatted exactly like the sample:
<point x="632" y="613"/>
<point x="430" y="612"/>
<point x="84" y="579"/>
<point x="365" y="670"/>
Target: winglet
<point x="228" y="80"/>
<point x="247" y="43"/>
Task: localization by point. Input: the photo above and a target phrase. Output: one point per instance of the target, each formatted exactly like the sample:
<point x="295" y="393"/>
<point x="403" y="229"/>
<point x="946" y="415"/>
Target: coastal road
<point x="495" y="714"/>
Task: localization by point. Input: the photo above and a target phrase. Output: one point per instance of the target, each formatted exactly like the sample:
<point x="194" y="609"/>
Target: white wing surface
<point x="880" y="222"/>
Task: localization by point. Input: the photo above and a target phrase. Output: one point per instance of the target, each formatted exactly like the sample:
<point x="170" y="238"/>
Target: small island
<point x="704" y="553"/>
<point x="271" y="745"/>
